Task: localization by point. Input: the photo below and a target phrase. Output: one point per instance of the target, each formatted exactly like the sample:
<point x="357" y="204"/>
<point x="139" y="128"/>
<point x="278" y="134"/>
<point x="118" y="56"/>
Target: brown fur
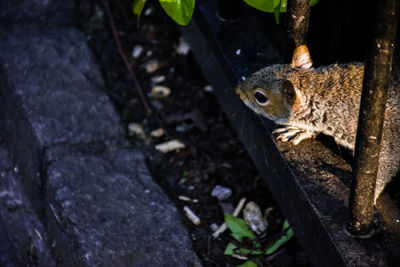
<point x="327" y="100"/>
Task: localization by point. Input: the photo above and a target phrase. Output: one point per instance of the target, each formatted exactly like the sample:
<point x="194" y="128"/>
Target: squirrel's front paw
<point x="294" y="134"/>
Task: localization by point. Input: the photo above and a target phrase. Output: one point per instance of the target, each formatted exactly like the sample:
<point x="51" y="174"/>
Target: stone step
<point x="92" y="191"/>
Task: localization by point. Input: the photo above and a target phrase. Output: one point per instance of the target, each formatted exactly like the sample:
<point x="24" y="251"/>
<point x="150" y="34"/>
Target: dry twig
<point x="122" y="53"/>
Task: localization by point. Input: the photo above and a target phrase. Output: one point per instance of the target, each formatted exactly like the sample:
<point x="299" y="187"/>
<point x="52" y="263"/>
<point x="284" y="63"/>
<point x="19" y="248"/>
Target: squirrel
<point x="326" y="99"/>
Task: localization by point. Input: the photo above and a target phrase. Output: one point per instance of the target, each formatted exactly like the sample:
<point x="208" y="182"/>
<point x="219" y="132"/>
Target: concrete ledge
<point x="23" y="229"/>
<point x="47" y="100"/>
<point x="46" y="13"/>
<point x="104" y="209"/>
<point x="91" y="190"/>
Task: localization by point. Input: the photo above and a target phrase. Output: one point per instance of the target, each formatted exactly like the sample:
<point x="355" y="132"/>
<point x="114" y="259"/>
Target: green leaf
<point x="277" y="12"/>
<point x="243" y="251"/>
<point x="233" y="249"/>
<point x="313" y="2"/>
<point x="230" y="249"/>
<point x="278" y="243"/>
<point x="283" y="6"/>
<point x="285" y="225"/>
<point x="238" y="228"/>
<point x="248" y="263"/>
<point x="179" y="10"/>
<point x="137" y="7"/>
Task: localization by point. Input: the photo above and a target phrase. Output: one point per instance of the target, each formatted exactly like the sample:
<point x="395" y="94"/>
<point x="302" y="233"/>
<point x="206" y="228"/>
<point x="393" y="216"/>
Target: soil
<point x="213" y="154"/>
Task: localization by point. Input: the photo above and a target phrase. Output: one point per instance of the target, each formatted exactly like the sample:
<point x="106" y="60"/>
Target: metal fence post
<point x="372" y="108"/>
<point x="298" y="19"/>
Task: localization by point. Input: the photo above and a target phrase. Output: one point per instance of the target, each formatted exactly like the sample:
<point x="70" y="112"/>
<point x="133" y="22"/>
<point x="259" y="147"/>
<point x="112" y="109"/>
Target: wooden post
<point x="372" y="108"/>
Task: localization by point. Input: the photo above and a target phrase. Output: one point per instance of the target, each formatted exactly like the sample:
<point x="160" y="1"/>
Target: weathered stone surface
<point x="94" y="195"/>
<point x="105" y="210"/>
<point x="24" y="232"/>
<point x="48" y="12"/>
<point x="46" y="70"/>
<point x="47" y="99"/>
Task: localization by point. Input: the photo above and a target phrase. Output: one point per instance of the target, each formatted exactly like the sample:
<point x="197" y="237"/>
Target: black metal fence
<point x="311" y="183"/>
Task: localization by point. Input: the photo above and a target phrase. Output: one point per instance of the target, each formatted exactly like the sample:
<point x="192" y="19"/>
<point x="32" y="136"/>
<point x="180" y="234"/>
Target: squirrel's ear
<point x="288" y="91"/>
<point x="301" y="58"/>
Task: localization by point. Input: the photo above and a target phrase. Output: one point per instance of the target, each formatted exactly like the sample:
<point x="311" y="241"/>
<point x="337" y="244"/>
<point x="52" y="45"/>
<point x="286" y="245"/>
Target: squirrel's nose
<point x="237" y="90"/>
<point x="240" y="93"/>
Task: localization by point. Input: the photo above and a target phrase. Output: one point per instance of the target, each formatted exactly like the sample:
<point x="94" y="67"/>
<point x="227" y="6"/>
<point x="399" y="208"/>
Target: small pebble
<point x="214" y="227"/>
<point x="148" y="11"/>
<point x="137" y="51"/>
<point x="184" y="198"/>
<point x="157" y="133"/>
<point x="137" y="130"/>
<point x="254" y="218"/>
<point x="160" y="91"/>
<point x="158" y="79"/>
<point x="208" y="88"/>
<point x="191" y="215"/>
<point x="182" y="128"/>
<point x="169" y="146"/>
<point x="221" y="192"/>
<point x="152" y="66"/>
<point x="183" y="48"/>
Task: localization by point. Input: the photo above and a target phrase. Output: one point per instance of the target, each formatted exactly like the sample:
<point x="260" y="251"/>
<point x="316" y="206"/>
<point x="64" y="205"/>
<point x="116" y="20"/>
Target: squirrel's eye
<point x="260" y="98"/>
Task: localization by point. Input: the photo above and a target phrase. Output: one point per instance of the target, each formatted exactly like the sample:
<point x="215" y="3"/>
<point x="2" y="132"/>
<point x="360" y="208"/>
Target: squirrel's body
<point x="323" y="100"/>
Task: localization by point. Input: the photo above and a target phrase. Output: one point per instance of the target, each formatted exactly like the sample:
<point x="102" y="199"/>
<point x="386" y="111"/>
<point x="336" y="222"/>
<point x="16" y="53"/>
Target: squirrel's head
<point x="270" y="93"/>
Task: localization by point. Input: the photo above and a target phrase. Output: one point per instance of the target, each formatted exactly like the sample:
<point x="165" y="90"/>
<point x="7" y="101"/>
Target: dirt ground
<point x="213" y="154"/>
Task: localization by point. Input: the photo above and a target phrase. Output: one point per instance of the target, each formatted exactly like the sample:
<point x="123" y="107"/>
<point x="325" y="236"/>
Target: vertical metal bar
<point x="229" y="9"/>
<point x="372" y="108"/>
<point x="299" y="15"/>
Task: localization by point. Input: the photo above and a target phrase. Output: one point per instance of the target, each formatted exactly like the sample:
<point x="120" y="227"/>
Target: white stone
<point x="183" y="48"/>
<point x="160" y="91"/>
<point x="254" y="218"/>
<point x="221" y="192"/>
<point x="137" y="130"/>
<point x="170" y="146"/>
<point x="137" y="51"/>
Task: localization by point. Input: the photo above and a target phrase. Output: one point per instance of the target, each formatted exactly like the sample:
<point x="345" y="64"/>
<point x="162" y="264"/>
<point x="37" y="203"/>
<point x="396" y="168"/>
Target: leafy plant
<point x="273" y="6"/>
<point x="242" y="234"/>
<point x="181" y="11"/>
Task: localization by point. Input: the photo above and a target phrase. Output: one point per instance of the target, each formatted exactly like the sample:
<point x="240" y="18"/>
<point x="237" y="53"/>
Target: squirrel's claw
<point x="294" y="134"/>
<point x="302" y="136"/>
